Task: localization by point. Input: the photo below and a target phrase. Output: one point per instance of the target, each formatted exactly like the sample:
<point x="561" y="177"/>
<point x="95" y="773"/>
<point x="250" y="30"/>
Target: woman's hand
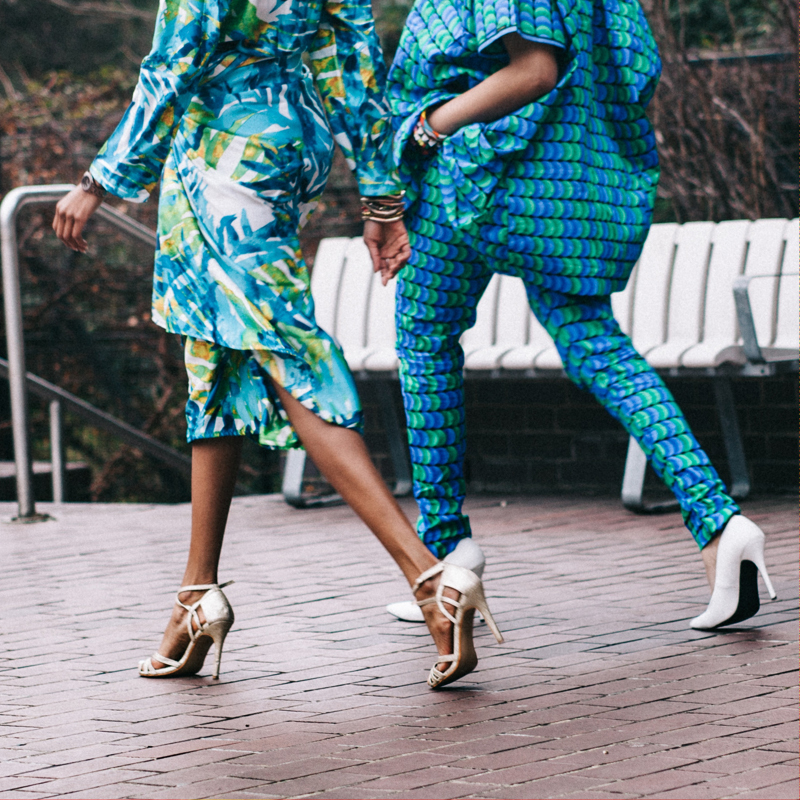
<point x="72" y="214"/>
<point x="388" y="246"/>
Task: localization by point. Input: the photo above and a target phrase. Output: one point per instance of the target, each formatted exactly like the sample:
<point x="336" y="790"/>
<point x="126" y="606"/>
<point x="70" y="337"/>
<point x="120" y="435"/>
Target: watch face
<point x="87" y="183"/>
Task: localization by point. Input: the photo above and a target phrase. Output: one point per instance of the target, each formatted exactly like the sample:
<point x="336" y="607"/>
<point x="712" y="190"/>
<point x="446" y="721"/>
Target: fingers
<point x="72" y="234"/>
<point x="374" y="254"/>
<point x="388" y="247"/>
<point x="72" y="214"/>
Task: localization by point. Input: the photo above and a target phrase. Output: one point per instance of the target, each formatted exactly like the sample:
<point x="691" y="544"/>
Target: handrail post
<point x="57" y="451"/>
<point x="12" y="301"/>
<point x="16" y="356"/>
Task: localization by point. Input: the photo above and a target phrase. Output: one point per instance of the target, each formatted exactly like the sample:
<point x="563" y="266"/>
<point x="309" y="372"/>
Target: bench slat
<point x="525" y="357"/>
<point x="325" y="279"/>
<point x="787" y="335"/>
<point x="482" y="333"/>
<point x="511" y="327"/>
<point x="351" y="310"/>
<point x="720" y="332"/>
<point x="649" y="319"/>
<point x="764" y="256"/>
<point x="686" y="294"/>
<point x="381" y="337"/>
<point x="622" y="302"/>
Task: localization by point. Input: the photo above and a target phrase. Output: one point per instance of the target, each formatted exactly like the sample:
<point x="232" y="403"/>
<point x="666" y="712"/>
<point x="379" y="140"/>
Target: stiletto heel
<point x="218" y="635"/>
<point x="471" y="598"/>
<point x="219" y="619"/>
<point x="740" y="557"/>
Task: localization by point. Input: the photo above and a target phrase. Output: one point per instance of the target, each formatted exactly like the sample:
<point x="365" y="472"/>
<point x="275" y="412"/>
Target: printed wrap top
<point x="196" y="41"/>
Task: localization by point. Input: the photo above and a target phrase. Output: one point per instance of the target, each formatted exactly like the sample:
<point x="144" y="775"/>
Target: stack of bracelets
<point x="385" y="208"/>
<point x="425" y="136"/>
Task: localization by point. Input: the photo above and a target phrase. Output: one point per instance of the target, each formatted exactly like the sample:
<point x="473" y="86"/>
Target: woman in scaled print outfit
<point x="229" y="118"/>
<point x="525" y="149"/>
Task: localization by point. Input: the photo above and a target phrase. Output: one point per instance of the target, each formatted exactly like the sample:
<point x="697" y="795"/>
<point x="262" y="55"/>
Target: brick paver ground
<point x="600" y="691"/>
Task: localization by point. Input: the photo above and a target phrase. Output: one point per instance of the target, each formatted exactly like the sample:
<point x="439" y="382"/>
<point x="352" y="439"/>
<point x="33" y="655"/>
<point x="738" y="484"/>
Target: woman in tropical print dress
<point x="525" y="149"/>
<point x="240" y="132"/>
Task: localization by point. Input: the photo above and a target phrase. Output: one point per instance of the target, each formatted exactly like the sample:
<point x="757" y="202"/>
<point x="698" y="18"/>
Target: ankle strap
<point x="204" y="587"/>
<point x="193" y="616"/>
<point x="429" y="573"/>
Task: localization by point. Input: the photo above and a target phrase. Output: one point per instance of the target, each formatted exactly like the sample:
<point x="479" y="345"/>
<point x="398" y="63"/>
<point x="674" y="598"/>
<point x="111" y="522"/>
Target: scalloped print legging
<point x="437" y="295"/>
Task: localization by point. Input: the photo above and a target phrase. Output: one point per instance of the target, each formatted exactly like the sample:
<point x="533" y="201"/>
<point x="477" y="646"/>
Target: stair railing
<point x="20" y="380"/>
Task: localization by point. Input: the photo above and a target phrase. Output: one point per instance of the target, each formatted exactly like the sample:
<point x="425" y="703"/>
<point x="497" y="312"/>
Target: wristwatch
<point x="90" y="185"/>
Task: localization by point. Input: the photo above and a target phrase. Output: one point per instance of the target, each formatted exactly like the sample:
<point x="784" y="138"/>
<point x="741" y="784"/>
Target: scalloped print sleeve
<point x="187" y="32"/>
<point x="536" y="20"/>
<point x="348" y="66"/>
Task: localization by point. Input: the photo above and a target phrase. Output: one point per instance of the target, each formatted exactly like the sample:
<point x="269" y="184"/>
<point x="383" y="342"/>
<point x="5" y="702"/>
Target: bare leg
<point x="342" y="457"/>
<point x="215" y="464"/>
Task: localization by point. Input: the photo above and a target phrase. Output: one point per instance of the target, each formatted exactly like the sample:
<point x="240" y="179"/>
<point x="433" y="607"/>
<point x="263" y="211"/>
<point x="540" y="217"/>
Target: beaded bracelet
<point x="424" y="135"/>
<point x="384" y="208"/>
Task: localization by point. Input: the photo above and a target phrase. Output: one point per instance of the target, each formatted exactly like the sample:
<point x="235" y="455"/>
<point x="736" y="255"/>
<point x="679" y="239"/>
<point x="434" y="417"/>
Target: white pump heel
<point x="740" y="558"/>
<point x="471" y="598"/>
<point x="219" y="619"/>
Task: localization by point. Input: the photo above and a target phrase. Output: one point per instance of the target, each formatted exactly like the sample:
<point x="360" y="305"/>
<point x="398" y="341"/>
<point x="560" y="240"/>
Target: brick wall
<point x="548" y="436"/>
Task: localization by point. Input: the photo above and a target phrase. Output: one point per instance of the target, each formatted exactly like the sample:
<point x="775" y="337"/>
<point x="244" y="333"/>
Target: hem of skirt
<point x="354" y="424"/>
<point x="247" y="435"/>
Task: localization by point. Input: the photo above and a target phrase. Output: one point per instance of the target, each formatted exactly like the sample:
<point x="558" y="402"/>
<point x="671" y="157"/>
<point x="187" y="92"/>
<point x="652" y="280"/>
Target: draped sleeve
<point x="129" y="165"/>
<point x="535" y="20"/>
<point x="347" y="62"/>
<point x="454" y="45"/>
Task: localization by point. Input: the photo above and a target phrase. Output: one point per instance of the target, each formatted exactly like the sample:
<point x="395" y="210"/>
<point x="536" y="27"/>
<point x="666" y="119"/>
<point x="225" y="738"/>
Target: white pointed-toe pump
<point x="740" y="558"/>
<point x="471" y="598"/>
<point x="218" y="621"/>
<point x="467" y="553"/>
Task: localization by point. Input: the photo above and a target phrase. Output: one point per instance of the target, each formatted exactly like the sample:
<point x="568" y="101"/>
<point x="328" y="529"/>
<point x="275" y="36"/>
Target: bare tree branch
<point x="8" y="87"/>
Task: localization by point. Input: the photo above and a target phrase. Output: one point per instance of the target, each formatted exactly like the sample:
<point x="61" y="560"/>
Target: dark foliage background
<point x="726" y="119"/>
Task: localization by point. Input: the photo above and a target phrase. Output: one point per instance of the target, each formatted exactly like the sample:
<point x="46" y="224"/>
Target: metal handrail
<point x="100" y="419"/>
<point x="20" y="380"/>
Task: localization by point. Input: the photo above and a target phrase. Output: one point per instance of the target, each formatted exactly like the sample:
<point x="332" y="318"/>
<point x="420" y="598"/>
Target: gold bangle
<point x="383" y="208"/>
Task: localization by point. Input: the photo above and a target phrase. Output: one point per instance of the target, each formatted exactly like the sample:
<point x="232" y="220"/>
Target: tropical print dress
<point x="241" y="132"/>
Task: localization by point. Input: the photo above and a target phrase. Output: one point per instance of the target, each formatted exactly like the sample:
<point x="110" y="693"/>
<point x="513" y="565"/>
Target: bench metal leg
<point x="294" y="469"/>
<point x="633" y="483"/>
<point x="293" y="484"/>
<point x="732" y="437"/>
<point x="636" y="461"/>
<point x="398" y="447"/>
<point x="633" y="479"/>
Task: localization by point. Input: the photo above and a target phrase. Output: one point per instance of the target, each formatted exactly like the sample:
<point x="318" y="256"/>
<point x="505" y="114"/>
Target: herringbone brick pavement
<point x="601" y="689"/>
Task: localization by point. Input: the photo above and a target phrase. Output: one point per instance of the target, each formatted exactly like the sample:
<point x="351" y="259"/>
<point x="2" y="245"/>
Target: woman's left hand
<point x="388" y="246"/>
<point x="72" y="214"/>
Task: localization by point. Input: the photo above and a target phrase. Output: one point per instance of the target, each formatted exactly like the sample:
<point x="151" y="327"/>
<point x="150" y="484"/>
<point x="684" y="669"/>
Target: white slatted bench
<point x="711" y="299"/>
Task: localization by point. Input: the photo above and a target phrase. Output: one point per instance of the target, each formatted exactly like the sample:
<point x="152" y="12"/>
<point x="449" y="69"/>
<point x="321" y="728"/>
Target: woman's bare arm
<point x="531" y="73"/>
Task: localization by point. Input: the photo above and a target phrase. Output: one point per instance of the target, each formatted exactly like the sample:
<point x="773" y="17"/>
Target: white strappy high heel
<point x="219" y="619"/>
<point x="467" y="553"/>
<point x="740" y="558"/>
<point x="471" y="598"/>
